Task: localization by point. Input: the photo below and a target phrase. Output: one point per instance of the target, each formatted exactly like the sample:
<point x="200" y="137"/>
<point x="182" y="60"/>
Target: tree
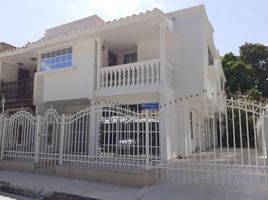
<point x="254" y="93"/>
<point x="256" y="55"/>
<point x="247" y="74"/>
<point x="238" y="74"/>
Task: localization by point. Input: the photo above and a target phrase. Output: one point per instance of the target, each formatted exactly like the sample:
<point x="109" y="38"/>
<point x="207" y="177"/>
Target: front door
<point x="23" y="84"/>
<point x="112" y="58"/>
<point x="23" y="74"/>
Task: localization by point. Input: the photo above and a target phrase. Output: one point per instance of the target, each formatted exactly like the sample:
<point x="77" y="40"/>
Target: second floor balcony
<point x="137" y="76"/>
<point x="18" y="90"/>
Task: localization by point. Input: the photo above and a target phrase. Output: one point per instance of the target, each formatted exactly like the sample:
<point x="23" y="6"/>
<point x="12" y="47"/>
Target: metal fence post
<point x="263" y="134"/>
<point x="61" y="138"/>
<point x="147" y="156"/>
<point x="3" y="136"/>
<point x="37" y="136"/>
<point x="92" y="148"/>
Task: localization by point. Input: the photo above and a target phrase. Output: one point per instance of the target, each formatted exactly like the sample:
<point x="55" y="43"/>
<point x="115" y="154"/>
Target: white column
<point x="163" y="29"/>
<point x="37" y="139"/>
<point x="61" y="139"/>
<point x="93" y="130"/>
<point x="166" y="93"/>
<point x="147" y="137"/>
<point x="99" y="60"/>
<point x="92" y="134"/>
<point x="3" y="136"/>
<point x="163" y="129"/>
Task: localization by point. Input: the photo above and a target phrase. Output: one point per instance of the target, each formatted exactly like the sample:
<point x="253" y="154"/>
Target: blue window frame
<point x="57" y="59"/>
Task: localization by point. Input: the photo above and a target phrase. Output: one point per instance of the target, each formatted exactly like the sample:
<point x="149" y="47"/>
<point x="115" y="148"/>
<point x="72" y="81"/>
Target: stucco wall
<point x="186" y="54"/>
<point x="185" y="51"/>
<point x="8" y="72"/>
<point x="69" y="83"/>
<point x="148" y="50"/>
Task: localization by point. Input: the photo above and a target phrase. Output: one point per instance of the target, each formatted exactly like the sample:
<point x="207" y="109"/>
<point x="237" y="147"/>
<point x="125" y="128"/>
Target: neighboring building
<point x="151" y="57"/>
<point x="16" y="79"/>
<point x="4" y="46"/>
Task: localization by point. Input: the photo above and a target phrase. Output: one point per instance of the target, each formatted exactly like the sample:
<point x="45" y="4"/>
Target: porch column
<point x="163" y="29"/>
<point x="99" y="61"/>
<point x="168" y="123"/>
<point x="93" y="122"/>
<point x="164" y="137"/>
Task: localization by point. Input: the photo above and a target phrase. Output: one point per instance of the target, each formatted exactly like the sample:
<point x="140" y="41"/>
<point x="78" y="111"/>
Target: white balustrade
<point x="130" y="75"/>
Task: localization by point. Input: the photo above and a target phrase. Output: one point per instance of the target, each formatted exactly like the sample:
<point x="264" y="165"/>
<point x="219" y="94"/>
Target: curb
<point x="39" y="193"/>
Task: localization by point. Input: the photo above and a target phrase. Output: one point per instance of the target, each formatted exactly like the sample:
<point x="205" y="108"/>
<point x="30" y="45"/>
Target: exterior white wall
<point x="185" y="52"/>
<point x="213" y="73"/>
<point x="69" y="83"/>
<point x="8" y="72"/>
<point x="148" y="50"/>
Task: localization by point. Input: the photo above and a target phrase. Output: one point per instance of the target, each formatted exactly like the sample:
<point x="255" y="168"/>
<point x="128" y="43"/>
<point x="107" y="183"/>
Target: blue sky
<point x="235" y="21"/>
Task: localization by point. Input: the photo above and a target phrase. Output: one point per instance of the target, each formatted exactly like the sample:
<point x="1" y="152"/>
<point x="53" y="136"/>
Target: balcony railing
<point x="18" y="90"/>
<point x="130" y="75"/>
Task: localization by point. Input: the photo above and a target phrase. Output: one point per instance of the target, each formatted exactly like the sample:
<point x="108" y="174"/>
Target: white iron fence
<point x="190" y="140"/>
<point x="98" y="136"/>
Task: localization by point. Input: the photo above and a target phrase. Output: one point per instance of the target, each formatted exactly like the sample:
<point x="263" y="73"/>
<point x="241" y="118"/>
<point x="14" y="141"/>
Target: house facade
<point x="149" y="58"/>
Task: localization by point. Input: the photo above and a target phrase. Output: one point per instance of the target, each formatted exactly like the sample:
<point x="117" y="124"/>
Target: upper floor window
<point x="210" y="58"/>
<point x="130" y="57"/>
<point x="56" y="59"/>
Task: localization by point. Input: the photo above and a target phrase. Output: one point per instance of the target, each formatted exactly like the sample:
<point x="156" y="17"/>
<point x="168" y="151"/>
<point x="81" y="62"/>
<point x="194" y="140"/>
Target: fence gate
<point x="47" y="143"/>
<point x="18" y="136"/>
<point x="225" y="143"/>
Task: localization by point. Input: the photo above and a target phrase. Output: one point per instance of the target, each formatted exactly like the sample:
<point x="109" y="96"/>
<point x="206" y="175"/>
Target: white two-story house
<point x="151" y="57"/>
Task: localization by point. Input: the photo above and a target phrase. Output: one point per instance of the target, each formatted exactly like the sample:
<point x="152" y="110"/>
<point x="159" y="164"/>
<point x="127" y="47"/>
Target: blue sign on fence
<point x="150" y="106"/>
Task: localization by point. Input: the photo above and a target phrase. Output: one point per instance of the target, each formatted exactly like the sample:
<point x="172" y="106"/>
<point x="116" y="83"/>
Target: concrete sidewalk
<point x="47" y="184"/>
